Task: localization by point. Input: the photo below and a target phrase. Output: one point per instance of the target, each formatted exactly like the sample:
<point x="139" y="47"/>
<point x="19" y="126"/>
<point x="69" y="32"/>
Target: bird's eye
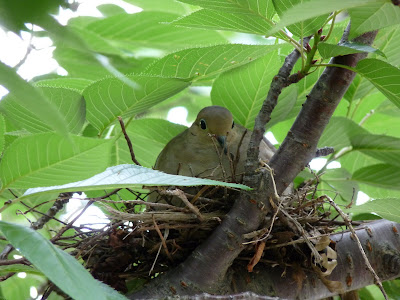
<point x="203" y="124"/>
<point x="233" y="124"/>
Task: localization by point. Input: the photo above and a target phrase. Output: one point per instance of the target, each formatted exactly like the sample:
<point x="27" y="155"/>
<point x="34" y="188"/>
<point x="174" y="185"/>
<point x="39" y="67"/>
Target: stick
<point x="346" y="219"/>
<point x="128" y="141"/>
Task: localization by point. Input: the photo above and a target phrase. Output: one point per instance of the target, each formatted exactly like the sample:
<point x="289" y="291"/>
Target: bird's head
<point x="215" y="122"/>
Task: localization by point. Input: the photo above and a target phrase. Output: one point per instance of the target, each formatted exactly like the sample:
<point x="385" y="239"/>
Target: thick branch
<point x="300" y="144"/>
<point x="205" y="269"/>
<point x="381" y="242"/>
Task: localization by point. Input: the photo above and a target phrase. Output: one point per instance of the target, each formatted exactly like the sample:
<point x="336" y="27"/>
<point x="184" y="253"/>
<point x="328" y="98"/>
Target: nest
<point x="145" y="239"/>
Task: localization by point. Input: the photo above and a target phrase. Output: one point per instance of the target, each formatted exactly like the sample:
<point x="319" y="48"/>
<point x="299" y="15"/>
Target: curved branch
<point x="205" y="270"/>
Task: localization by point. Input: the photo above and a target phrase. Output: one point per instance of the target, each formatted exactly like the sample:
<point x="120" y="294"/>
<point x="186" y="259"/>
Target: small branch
<point x="69" y="225"/>
<point x="7" y="262"/>
<point x="324" y="151"/>
<point x="263" y="117"/>
<point x="366" y="117"/>
<point x="180" y="194"/>
<point x="128" y="141"/>
<point x="162" y="240"/>
<point x="348" y="224"/>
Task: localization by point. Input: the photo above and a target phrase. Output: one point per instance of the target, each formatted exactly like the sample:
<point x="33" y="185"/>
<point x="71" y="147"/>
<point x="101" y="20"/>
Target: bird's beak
<point x="222" y="141"/>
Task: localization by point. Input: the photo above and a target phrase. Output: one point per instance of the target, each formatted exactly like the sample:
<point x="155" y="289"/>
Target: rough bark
<point x="381" y="242"/>
<point x="205" y="270"/>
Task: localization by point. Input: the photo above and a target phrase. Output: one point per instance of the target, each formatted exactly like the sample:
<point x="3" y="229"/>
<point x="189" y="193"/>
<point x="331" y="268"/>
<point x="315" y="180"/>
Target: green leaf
<point x="49" y="159"/>
<point x="338" y="181"/>
<point x="72" y="60"/>
<point x="384" y="148"/>
<point x="339" y="132"/>
<point x="19" y="268"/>
<point x="303" y="28"/>
<point x="385" y="77"/>
<point x="149" y="136"/>
<point x="32" y="99"/>
<point x="355" y="160"/>
<point x="130" y="176"/>
<point x="244" y="89"/>
<point x="330" y="50"/>
<point x="373" y="16"/>
<point x="75" y="84"/>
<point x="61" y="268"/>
<point x="108" y="10"/>
<point x="381" y="175"/>
<point x="248" y="7"/>
<point x="204" y="63"/>
<point x="2" y="132"/>
<point x="388" y="40"/>
<point x="68" y="103"/>
<point x="218" y="20"/>
<point x="109" y="98"/>
<point x="359" y="88"/>
<point x="315" y="8"/>
<point x="388" y="208"/>
<point x="171" y="6"/>
<point x="149" y="30"/>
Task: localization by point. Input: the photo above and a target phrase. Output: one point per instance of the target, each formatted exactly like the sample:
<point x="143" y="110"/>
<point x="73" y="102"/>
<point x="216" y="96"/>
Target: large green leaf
<point x="338" y="182"/>
<point x="109" y="98"/>
<point x="331" y="50"/>
<point x="338" y="133"/>
<point x="388" y="208"/>
<point x="130" y="176"/>
<point x="218" y="20"/>
<point x="171" y="6"/>
<point x="381" y="175"/>
<point x="388" y="40"/>
<point x="82" y="64"/>
<point x="69" y="104"/>
<point x="59" y="267"/>
<point x="206" y="62"/>
<point x="373" y="16"/>
<point x="2" y="132"/>
<point x="31" y="99"/>
<point x="316" y="8"/>
<point x="149" y="136"/>
<point x="248" y="7"/>
<point x="303" y="28"/>
<point x="384" y="148"/>
<point x="244" y="89"/>
<point x="359" y="88"/>
<point x="149" y="30"/>
<point x="71" y="83"/>
<point x="49" y="159"/>
<point x="385" y="77"/>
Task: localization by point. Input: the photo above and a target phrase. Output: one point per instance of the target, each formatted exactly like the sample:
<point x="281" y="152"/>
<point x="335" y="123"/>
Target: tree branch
<point x="205" y="270"/>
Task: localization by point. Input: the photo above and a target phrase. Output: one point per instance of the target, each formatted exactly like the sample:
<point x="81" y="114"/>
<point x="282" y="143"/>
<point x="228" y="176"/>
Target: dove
<point x="213" y="147"/>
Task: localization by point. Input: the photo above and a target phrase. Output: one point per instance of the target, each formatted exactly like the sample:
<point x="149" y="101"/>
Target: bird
<point x="213" y="147"/>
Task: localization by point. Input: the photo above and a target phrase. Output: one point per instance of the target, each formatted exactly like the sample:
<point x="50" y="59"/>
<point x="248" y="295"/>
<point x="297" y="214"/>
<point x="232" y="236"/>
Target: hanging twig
<point x="128" y="141"/>
<point x="162" y="239"/>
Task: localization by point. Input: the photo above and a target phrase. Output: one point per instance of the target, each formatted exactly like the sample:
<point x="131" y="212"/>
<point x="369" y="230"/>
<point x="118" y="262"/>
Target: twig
<point x="139" y="202"/>
<point x="180" y="194"/>
<point x="8" y="262"/>
<point x="263" y="117"/>
<point x="128" y="141"/>
<point x="69" y="225"/>
<point x="29" y="48"/>
<point x="158" y="252"/>
<point x="300" y="229"/>
<point x="348" y="223"/>
<point x="162" y="240"/>
<point x="220" y="159"/>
